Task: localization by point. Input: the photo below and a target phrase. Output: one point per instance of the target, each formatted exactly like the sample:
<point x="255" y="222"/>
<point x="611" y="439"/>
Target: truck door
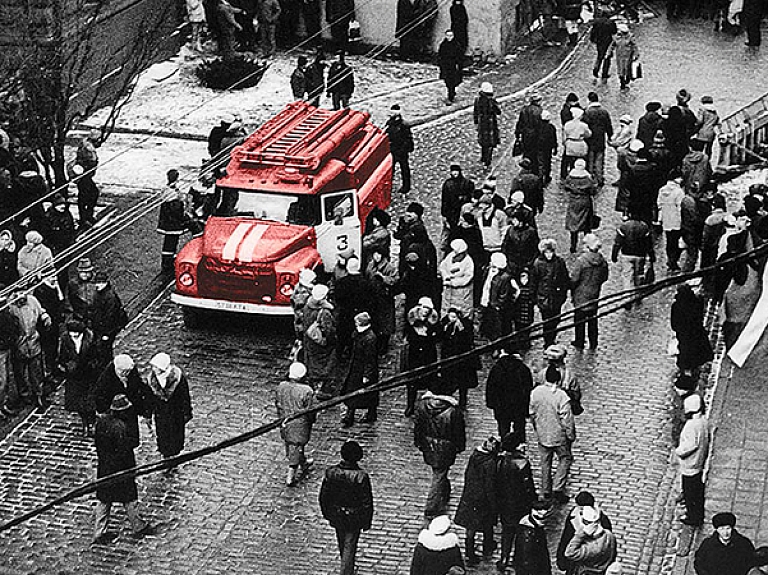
<point x="339" y="228"/>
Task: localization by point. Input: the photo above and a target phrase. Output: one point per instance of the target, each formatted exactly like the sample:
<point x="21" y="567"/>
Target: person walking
<point x="692" y="216"/>
<point x="341" y="82"/>
<point x="196" y="18"/>
<point x="528" y="130"/>
<point x="478" y="506"/>
<point x="601" y="35"/>
<point x="530" y="184"/>
<point x="692" y="452"/>
<point x="634" y="243"/>
<point x="485" y="115"/>
<point x="114" y="453"/>
<point x="551" y="281"/>
<point x="515" y="493"/>
<point x="121" y="377"/>
<point x="421" y="335"/>
<point x="292" y="396"/>
<point x="457" y="335"/>
<point x="107" y="317"/>
<point x="450" y="57"/>
<point x="669" y="207"/>
<point x="726" y="551"/>
<point x="574" y="523"/>
<point x="707" y="123"/>
<point x="599" y="122"/>
<point x="457" y="272"/>
<point x="346" y="502"/>
<point x="575" y="134"/>
<point x="437" y="551"/>
<point x="547" y="147"/>
<point x="624" y="48"/>
<point x="363" y="372"/>
<point x="457" y="191"/>
<point x="553" y="422"/>
<point x="439" y="433"/>
<point x="588" y="275"/>
<point x="169" y="403"/>
<point x="581" y="188"/>
<point x="531" y="550"/>
<point x="592" y="549"/>
<point x="400" y="145"/>
<point x="508" y="393"/>
<point x="86" y="162"/>
<point x="460" y="24"/>
<point x="78" y="361"/>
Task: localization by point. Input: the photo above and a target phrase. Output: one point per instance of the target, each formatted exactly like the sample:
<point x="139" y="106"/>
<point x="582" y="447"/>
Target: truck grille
<point x="236" y="282"/>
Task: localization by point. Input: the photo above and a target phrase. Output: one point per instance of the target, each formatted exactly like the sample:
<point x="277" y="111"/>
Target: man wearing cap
<point x="450" y="56"/>
<point x="291" y="397"/>
<point x="299" y="79"/>
<point x="107" y="316"/>
<point x="353" y="294"/>
<point x="521" y="243"/>
<point x="87" y="191"/>
<point x="531" y="555"/>
<point x="437" y="550"/>
<point x="649" y="123"/>
<point x="692" y="452"/>
<point x="456" y="192"/>
<point x="528" y="130"/>
<point x="400" y="145"/>
<point x="217" y="134"/>
<point x="726" y="551"/>
<point x="346" y="502"/>
<point x="573" y="524"/>
<point x="82" y="292"/>
<point x="592" y="548"/>
<point x="341" y="82"/>
<point x="588" y="274"/>
<point x="114" y="451"/>
<point x="414" y="238"/>
<point x="315" y="78"/>
<point x="508" y="393"/>
<point x="363" y="371"/>
<point x="457" y="271"/>
<point x="530" y="184"/>
<point x="599" y="121"/>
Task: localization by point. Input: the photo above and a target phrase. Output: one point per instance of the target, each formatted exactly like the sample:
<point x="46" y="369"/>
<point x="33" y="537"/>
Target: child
<point x="522" y="313"/>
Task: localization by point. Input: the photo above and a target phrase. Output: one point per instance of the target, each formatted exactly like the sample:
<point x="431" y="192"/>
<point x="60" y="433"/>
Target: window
<point x="292" y="209"/>
<point x="339" y="206"/>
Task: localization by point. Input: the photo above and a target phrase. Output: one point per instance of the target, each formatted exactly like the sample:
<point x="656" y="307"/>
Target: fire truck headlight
<point x="186" y="279"/>
<point x="286" y="290"/>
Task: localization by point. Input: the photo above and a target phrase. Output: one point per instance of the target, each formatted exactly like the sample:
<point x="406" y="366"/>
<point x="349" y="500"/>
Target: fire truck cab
<point x="295" y="194"/>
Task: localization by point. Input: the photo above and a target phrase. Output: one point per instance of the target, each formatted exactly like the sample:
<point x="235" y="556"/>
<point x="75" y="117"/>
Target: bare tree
<point x="85" y="58"/>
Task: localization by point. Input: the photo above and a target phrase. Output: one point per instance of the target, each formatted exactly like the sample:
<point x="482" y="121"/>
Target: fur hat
<point x="636" y="145"/>
<point x="161" y="361"/>
<point x="440" y="524"/>
<point x="353" y="265"/>
<point x="320" y="291"/>
<point x="123" y="362"/>
<point x="625" y="119"/>
<point x="459" y="246"/>
<point x="725" y="518"/>
<point x="589" y="514"/>
<point x="486" y="88"/>
<point x="120" y="403"/>
<point x="555" y="352"/>
<point x="351" y="451"/>
<point x="692" y="403"/>
<point x="297" y="370"/>
<point x="415" y="208"/>
<point x="518" y="197"/>
<point x="498" y="260"/>
<point x="592" y="242"/>
<point x="307" y="277"/>
<point x="363" y="319"/>
<point x="426" y="302"/>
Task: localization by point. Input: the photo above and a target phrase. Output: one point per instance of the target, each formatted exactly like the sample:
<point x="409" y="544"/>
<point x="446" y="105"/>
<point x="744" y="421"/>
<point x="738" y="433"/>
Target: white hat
<point x="161" y="361"/>
<point x="592" y="241"/>
<point x="518" y="197"/>
<point x="486" y="88"/>
<point x="589" y="514"/>
<point x="459" y="246"/>
<point x="577" y="113"/>
<point x="123" y="362"/>
<point x="353" y="265"/>
<point x="545" y="115"/>
<point x="622" y="27"/>
<point x="320" y="291"/>
<point x="227" y="118"/>
<point x="692" y="403"/>
<point x="78" y="170"/>
<point x="615" y="568"/>
<point x="636" y="145"/>
<point x="297" y="370"/>
<point x="307" y="277"/>
<point x="625" y="119"/>
<point x="426" y="302"/>
<point x="440" y="525"/>
<point x="498" y="260"/>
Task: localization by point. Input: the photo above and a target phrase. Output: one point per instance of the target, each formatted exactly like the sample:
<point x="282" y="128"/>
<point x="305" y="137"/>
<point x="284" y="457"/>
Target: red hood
<point x="248" y="240"/>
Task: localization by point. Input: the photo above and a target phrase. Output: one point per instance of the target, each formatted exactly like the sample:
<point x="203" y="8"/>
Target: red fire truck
<point x="296" y="193"/>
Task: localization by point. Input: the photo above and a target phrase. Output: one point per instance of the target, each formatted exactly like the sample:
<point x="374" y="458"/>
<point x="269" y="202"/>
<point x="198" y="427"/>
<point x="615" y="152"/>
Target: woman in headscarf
<point x="581" y="188"/>
<point x="575" y="134"/>
<point x="33" y="256"/>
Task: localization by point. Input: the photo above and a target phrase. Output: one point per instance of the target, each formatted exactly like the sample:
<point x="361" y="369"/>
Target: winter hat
<point x="84" y="265"/>
<point x="415" y="208"/>
<point x="320" y="291"/>
<point x="486" y="88"/>
<point x="722" y="519"/>
<point x="34" y="237"/>
<point x="592" y="242"/>
<point x="228" y="118"/>
<point x="707" y="100"/>
<point x="552" y="375"/>
<point x="584" y="499"/>
<point x="426" y="302"/>
<point x="6" y="235"/>
<point x="455" y="168"/>
<point x="589" y="514"/>
<point x="297" y="370"/>
<point x="123" y="362"/>
<point x="307" y="277"/>
<point x="58" y="199"/>
<point x="535" y="97"/>
<point x="546" y="116"/>
<point x="518" y="197"/>
<point x="571" y="97"/>
<point x="351" y="451"/>
<point x="636" y="145"/>
<point x="577" y="113"/>
<point x="353" y="265"/>
<point x="525" y="163"/>
<point x="363" y="319"/>
<point x="555" y="352"/>
<point x="683" y="96"/>
<point x="120" y="403"/>
<point x="100" y="277"/>
<point x="548" y="244"/>
<point x="75" y="326"/>
<point x="440" y="524"/>
<point x="459" y="246"/>
<point x="78" y="170"/>
<point x="395" y="107"/>
<point x="692" y="403"/>
<point x="625" y="119"/>
<point x="653" y="106"/>
<point x="498" y="260"/>
<point x="161" y="361"/>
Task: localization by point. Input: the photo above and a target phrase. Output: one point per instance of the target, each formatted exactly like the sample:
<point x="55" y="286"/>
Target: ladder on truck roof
<point x="281" y="150"/>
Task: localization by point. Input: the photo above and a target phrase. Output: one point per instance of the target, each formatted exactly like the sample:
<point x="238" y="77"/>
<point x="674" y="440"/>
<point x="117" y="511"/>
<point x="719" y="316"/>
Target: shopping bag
<point x="637" y="70"/>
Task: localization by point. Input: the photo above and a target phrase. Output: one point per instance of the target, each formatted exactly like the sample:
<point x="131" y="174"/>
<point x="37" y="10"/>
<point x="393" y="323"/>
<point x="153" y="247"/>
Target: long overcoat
<point x="114" y="451"/>
<point x="172" y="410"/>
<point x="486" y="112"/>
<point x="81" y="372"/>
<point x="478" y="505"/>
<point x="580" y="190"/>
<point x="364" y="363"/>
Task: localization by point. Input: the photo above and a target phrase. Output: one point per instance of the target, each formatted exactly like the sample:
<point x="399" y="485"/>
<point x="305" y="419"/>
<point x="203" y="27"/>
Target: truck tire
<point x="192" y="317"/>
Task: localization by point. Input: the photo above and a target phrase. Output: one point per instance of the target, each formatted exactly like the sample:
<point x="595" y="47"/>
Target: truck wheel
<point x="191" y="316"/>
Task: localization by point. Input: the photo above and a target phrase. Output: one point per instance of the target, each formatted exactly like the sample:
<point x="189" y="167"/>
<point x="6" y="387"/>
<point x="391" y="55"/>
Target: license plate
<point x="232" y="306"/>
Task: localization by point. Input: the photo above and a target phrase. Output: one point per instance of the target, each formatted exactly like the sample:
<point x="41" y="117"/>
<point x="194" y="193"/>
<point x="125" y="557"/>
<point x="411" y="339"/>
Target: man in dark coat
<point x="406" y="29"/>
<point x="338" y="14"/>
<point x="400" y="145"/>
<point x="528" y="130"/>
<point x="10" y="331"/>
<point x="450" y="58"/>
<point x="298" y="80"/>
<point x="78" y="361"/>
<point x="508" y="393"/>
<point x="649" y="123"/>
<point x="691" y="229"/>
<point x="114" y="450"/>
<point x="218" y="132"/>
<point x="601" y="35"/>
<point x="532" y="186"/>
<point x="108" y="317"/>
<point x="478" y="506"/>
<point x="439" y="433"/>
<point x="599" y="121"/>
<point x="172" y="222"/>
<point x="573" y="523"/>
<point x="726" y="551"/>
<point x="643" y="182"/>
<point x="457" y="191"/>
<point x="363" y="371"/>
<point x="460" y="24"/>
<point x="353" y="293"/>
<point x="341" y="83"/>
<point x="87" y="191"/>
<point x="531" y="551"/>
<point x="521" y="244"/>
<point x="59" y="233"/>
<point x="121" y="376"/>
<point x="346" y="501"/>
<point x="752" y="16"/>
<point x="315" y="79"/>
<point x="414" y="238"/>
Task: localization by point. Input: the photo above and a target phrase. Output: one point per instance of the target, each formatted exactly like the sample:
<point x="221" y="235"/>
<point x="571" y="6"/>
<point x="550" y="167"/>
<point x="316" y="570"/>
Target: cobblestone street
<point x="231" y="512"/>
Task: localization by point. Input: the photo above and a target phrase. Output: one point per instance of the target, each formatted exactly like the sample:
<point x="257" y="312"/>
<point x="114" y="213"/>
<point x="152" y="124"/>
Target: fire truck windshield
<point x="292" y="209"/>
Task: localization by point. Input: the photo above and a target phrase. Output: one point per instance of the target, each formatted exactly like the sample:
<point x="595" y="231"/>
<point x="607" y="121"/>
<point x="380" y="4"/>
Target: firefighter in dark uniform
<point x="172" y="222"/>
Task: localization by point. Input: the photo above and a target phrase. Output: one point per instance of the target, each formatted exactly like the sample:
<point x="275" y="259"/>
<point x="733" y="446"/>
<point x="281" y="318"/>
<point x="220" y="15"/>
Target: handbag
<point x="637" y="70"/>
<point x="315" y="333"/>
<point x="353" y="31"/>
